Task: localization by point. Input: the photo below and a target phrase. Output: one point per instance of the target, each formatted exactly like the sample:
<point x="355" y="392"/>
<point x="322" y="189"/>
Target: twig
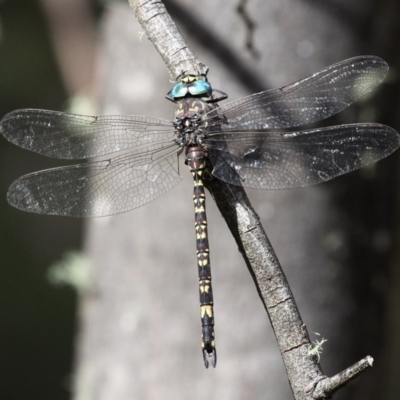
<point x="325" y="387"/>
<point x="167" y="40"/>
<point x="271" y="284"/>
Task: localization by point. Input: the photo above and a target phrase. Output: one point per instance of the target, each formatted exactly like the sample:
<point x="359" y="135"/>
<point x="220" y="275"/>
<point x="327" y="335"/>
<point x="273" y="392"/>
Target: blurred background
<point x="133" y="330"/>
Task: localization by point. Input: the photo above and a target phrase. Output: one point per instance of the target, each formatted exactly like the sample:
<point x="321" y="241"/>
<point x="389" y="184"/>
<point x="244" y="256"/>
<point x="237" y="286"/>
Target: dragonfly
<point x="244" y="142"/>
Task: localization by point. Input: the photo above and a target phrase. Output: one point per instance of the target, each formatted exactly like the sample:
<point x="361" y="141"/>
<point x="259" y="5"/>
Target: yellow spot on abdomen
<point x="206" y="310"/>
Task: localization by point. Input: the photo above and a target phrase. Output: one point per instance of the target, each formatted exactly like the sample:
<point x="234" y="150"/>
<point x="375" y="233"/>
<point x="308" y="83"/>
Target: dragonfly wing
<point x="98" y="189"/>
<point x="317" y="97"/>
<point x="287" y="160"/>
<point x="70" y="136"/>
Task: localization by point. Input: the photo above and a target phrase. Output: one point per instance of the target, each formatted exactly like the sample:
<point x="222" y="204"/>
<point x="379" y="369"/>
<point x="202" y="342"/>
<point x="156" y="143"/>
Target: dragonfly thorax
<point x="189" y="121"/>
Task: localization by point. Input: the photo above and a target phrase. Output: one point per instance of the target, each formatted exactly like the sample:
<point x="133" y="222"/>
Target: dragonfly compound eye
<point x="200" y="88"/>
<point x="180" y="90"/>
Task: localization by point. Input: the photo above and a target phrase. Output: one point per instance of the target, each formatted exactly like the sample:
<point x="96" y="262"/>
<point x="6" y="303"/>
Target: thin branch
<point x="305" y="375"/>
<point x="167" y="40"/>
<point x="271" y="284"/>
<point x="324" y="388"/>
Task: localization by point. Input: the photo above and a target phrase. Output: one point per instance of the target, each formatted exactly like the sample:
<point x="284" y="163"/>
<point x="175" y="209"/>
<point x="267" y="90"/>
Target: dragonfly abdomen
<point x="195" y="158"/>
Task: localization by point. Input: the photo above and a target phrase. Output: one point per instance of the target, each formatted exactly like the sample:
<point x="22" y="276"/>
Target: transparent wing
<point x="69" y="136"/>
<point x="99" y="188"/>
<point x="273" y="160"/>
<point x="317" y="97"/>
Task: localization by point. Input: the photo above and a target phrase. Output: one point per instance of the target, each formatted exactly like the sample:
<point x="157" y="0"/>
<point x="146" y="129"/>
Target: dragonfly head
<point x="190" y="86"/>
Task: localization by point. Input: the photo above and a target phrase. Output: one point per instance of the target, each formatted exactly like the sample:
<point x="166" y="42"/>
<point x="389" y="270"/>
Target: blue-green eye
<point x="200" y="87"/>
<point x="179" y="90"/>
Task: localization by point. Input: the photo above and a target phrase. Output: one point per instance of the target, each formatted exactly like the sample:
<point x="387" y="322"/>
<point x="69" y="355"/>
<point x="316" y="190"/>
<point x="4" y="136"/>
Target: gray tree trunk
<point x="140" y="333"/>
